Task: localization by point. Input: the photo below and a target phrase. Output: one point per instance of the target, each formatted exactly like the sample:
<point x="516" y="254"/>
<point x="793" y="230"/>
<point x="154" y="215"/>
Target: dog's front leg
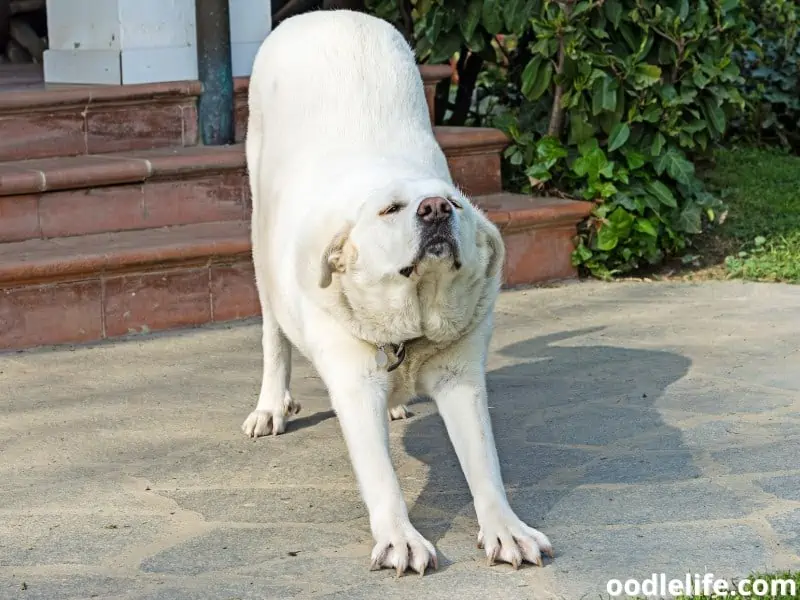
<point x="456" y="379"/>
<point x="359" y="391"/>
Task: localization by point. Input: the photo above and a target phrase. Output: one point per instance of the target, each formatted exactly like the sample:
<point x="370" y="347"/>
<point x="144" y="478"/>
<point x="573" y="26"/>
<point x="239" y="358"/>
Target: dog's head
<point x="411" y="232"/>
<point x="410" y="238"/>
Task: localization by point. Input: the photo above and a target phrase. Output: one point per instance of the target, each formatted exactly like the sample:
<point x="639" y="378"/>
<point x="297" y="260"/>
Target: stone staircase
<point x="114" y="220"/>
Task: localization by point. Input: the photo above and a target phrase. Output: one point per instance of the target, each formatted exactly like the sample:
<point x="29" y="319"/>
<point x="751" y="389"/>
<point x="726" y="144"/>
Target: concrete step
<point x="65" y="120"/>
<point x="56" y="197"/>
<point x="104" y="285"/>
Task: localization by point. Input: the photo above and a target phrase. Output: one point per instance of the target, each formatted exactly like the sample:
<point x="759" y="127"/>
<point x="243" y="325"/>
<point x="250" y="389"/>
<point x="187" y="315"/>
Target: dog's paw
<point x="399" y="412"/>
<point x="401" y="549"/>
<point x="265" y="422"/>
<point x="509" y="540"/>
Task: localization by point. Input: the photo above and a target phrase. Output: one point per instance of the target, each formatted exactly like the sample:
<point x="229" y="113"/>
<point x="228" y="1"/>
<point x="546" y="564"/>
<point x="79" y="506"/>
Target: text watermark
<point x="658" y="586"/>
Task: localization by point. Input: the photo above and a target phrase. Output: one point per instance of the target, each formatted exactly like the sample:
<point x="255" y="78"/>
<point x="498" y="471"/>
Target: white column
<point x="141" y="41"/>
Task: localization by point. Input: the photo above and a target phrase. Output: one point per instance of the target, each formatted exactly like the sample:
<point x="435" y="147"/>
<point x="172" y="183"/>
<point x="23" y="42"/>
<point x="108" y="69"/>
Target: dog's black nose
<point x="432" y="210"/>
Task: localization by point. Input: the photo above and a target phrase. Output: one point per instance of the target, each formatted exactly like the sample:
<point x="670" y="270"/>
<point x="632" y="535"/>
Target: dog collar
<point x="382" y="355"/>
<point x="399" y="352"/>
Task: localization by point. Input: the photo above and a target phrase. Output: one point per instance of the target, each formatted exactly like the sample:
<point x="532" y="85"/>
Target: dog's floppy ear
<point x="497" y="250"/>
<point x="333" y="258"/>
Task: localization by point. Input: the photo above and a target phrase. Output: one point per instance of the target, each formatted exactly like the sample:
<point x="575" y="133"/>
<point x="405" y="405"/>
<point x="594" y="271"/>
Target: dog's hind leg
<point x="401" y="395"/>
<point x="275" y="403"/>
<point x="399" y="412"/>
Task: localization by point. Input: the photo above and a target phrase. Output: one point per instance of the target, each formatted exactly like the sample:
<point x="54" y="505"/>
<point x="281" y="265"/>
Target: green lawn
<point x="761" y="235"/>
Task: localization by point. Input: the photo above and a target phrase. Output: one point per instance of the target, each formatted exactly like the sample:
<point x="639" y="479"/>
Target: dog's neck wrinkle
<point x="401" y="326"/>
<point x="432" y="309"/>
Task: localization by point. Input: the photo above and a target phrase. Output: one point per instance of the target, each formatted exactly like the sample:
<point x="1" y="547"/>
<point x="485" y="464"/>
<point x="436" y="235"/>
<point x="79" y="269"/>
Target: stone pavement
<point x="644" y="427"/>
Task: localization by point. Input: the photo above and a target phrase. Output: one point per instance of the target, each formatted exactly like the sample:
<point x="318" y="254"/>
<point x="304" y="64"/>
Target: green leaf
<point x="492" y="16"/>
<point x="626" y="201"/>
<point x="622" y="221"/>
<point x="619" y="135"/>
<point x="584" y="148"/>
<point x="472" y="16"/>
<point x="652" y="114"/>
<point x="676" y="166"/>
<point x="539" y="171"/>
<point x="549" y="148"/>
<point x="662" y="193"/>
<point x="652" y="203"/>
<point x="658" y="144"/>
<point x="581" y="8"/>
<point x="648" y="226"/>
<point x="477" y="44"/>
<point x="582" y="252"/>
<point x="690" y="219"/>
<point x="446" y="46"/>
<point x="700" y="79"/>
<point x="530" y="74"/>
<point x="645" y="75"/>
<point x="607" y="238"/>
<point x="580" y="128"/>
<point x="592" y="164"/>
<point x="683" y="12"/>
<point x="715" y="115"/>
<point x="604" y="94"/>
<point x="536" y="78"/>
<point x="543" y="46"/>
<point x="634" y="158"/>
<point x="435" y="21"/>
<point x="613" y="10"/>
<point x="516" y="14"/>
<point x="608" y="170"/>
<point x="604" y="189"/>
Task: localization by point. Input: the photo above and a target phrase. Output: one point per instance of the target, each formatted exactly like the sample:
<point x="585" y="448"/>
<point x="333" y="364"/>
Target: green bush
<point x="611" y="101"/>
<point x="771" y="69"/>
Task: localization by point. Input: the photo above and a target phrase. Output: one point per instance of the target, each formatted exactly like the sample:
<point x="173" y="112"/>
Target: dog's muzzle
<point x="437" y="238"/>
<point x="435" y="216"/>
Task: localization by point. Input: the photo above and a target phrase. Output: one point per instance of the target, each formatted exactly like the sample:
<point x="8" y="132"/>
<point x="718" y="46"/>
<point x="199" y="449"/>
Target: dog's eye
<point x="455" y="203"/>
<point x="391" y="209"/>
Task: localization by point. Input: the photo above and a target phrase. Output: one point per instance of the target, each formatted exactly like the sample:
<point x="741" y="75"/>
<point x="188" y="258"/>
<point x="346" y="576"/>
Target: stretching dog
<point x="374" y="265"/>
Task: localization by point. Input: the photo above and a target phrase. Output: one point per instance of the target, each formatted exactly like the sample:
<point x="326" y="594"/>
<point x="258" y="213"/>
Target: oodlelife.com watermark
<point x="658" y="586"/>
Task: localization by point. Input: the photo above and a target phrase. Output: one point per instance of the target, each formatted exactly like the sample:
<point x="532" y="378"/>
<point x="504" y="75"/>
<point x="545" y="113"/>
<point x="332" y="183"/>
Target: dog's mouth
<point x="438" y="247"/>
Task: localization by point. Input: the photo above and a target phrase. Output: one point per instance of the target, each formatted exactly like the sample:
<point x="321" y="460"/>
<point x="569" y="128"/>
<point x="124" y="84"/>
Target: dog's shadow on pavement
<point x="563" y="415"/>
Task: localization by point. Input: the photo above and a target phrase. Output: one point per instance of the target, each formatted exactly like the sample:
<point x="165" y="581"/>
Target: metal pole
<point x="216" y="111"/>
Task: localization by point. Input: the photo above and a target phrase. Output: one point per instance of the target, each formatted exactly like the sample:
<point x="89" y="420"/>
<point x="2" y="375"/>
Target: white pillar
<point x="141" y="41"/>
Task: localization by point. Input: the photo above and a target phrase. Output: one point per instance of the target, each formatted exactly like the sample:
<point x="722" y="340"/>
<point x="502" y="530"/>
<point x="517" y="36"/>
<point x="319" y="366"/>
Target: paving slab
<point x="645" y="427"/>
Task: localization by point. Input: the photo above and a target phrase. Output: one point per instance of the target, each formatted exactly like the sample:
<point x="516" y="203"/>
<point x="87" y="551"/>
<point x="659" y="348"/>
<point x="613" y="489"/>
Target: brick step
<point x="56" y="197"/>
<point x="92" y="287"/>
<point x="65" y="120"/>
<point x="70" y="120"/>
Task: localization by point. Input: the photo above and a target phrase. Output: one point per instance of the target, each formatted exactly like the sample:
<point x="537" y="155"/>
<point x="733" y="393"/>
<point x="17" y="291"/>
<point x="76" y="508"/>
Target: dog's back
<point x="337" y="80"/>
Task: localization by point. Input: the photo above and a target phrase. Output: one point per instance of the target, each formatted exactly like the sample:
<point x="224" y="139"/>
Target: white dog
<point x="372" y="263"/>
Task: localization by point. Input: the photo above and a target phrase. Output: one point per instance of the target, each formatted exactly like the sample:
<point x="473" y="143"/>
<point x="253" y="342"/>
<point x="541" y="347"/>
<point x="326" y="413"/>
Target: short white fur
<point x="338" y="131"/>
